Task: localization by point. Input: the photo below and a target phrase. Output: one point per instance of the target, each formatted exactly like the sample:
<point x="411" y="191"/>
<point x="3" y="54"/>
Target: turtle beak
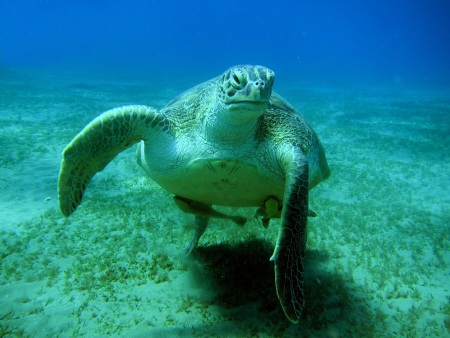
<point x="260" y="89"/>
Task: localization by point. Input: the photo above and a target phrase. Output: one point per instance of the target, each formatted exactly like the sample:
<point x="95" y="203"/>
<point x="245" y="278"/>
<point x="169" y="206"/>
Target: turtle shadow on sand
<point x="243" y="277"/>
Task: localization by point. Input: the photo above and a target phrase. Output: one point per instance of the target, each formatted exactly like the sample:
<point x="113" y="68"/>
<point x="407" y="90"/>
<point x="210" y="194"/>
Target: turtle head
<point x="245" y="92"/>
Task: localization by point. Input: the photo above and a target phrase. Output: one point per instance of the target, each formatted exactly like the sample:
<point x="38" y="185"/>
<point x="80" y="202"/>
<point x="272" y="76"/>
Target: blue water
<point x="324" y="41"/>
<point x="371" y="77"/>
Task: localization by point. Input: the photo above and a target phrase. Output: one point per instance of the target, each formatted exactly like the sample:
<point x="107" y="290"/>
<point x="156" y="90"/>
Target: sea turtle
<point x="230" y="141"/>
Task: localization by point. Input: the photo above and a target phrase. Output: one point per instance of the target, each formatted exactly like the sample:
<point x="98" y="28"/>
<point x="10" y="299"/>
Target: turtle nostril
<point x="259" y="83"/>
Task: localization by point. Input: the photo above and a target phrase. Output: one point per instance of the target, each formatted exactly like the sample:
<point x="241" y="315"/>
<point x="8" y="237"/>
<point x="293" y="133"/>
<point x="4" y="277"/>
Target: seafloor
<point x="378" y="251"/>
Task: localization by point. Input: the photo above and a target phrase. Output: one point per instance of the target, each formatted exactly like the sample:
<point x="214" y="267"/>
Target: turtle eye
<point x="238" y="79"/>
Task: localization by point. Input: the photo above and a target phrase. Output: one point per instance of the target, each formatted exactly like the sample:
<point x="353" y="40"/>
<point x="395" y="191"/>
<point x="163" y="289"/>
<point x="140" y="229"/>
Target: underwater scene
<point x="372" y="81"/>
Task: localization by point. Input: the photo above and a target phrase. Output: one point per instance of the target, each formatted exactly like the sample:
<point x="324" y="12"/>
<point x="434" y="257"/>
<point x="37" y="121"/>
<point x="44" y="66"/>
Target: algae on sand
<point x="378" y="252"/>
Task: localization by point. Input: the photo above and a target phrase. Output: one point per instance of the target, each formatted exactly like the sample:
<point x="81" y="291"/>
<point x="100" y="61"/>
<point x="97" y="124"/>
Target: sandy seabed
<point x="378" y="260"/>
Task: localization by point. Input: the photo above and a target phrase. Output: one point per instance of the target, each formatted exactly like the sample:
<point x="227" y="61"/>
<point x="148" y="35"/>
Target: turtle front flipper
<point x="291" y="243"/>
<point x="97" y="144"/>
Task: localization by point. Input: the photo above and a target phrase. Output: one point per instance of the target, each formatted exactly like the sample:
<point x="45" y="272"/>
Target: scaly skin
<point x="229" y="141"/>
<point x="290" y="249"/>
<point x="99" y="142"/>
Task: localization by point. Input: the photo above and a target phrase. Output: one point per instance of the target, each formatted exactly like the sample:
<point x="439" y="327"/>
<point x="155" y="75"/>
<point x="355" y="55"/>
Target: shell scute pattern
<point x="185" y="111"/>
<point x="229" y="141"/>
<point x="284" y="126"/>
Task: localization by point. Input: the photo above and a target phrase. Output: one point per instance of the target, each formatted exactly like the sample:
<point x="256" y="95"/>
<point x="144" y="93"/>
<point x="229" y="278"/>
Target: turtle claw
<point x="312" y="213"/>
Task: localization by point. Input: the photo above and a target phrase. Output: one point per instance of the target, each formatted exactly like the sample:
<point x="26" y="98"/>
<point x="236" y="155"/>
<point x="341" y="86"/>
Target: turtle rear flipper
<point x="291" y="243"/>
<point x="97" y="144"/>
<point x="201" y="223"/>
<point x="206" y="210"/>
